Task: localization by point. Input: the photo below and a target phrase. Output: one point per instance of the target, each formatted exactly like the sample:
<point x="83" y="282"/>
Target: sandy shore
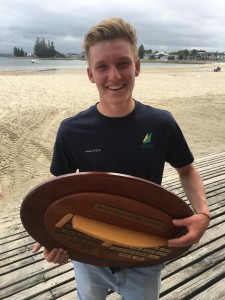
<point x="33" y="104"/>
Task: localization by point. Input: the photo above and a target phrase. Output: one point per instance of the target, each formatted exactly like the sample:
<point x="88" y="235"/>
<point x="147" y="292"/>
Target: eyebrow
<point x="120" y="58"/>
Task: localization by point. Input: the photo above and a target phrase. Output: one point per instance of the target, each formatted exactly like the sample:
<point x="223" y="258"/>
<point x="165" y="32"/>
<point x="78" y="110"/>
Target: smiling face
<point x="113" y="68"/>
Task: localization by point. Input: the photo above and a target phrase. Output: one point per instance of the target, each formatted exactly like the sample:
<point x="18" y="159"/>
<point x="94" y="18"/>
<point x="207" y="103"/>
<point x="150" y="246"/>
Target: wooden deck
<point x="198" y="275"/>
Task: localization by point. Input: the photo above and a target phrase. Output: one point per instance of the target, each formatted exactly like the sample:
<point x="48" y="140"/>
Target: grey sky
<point x="164" y="25"/>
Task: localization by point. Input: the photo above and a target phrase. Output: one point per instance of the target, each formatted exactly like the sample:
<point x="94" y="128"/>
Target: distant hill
<point x="6" y="55"/>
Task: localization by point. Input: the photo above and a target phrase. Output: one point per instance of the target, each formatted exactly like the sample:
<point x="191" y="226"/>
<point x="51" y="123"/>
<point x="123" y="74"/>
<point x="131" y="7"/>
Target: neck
<point x="116" y="110"/>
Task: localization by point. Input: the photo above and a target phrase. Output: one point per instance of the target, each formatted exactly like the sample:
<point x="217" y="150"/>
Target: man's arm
<point x="198" y="223"/>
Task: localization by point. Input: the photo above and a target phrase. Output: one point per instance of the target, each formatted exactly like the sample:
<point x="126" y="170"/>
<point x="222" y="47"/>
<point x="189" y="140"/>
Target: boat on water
<point x="35" y="61"/>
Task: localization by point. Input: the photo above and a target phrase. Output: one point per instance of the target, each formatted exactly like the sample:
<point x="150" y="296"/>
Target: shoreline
<point x="75" y="64"/>
<point x="144" y="68"/>
<point x="176" y="61"/>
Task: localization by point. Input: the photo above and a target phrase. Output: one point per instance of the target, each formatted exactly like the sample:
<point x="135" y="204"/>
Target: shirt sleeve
<point x="63" y="161"/>
<point x="179" y="153"/>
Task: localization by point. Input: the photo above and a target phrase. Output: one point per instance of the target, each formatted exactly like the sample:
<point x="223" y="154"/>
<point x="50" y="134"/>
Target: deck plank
<point x="198" y="274"/>
<point x="213" y="292"/>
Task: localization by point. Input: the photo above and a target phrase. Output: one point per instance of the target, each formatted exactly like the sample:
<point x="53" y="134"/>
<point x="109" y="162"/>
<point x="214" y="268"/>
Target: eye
<point x="123" y="64"/>
<point x="101" y="67"/>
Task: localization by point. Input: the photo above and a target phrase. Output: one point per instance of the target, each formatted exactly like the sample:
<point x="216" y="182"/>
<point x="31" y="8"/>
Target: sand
<point x="32" y="105"/>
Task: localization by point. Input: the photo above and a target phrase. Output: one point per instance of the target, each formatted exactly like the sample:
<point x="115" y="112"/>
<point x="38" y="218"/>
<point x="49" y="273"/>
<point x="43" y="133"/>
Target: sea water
<point x="25" y="64"/>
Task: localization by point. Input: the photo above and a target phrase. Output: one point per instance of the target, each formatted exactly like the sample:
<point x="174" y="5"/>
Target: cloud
<point x="161" y="24"/>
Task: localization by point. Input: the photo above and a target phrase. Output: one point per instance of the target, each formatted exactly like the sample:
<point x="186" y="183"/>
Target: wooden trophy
<point x="105" y="219"/>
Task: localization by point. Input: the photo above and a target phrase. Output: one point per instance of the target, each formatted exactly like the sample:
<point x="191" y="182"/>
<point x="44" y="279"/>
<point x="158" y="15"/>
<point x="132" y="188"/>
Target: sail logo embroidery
<point x="147" y="141"/>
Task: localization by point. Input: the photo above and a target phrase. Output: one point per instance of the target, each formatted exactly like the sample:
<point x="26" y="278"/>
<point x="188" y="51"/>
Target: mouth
<point x="115" y="87"/>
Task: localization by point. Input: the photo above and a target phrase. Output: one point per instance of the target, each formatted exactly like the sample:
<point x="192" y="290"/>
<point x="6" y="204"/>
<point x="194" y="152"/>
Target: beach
<point x="34" y="103"/>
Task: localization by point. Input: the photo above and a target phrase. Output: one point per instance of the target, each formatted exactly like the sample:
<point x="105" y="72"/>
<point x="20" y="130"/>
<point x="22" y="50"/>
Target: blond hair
<point x="111" y="29"/>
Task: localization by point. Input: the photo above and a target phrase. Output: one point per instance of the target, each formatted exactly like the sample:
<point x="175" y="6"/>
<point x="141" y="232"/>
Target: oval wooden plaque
<point x="105" y="219"/>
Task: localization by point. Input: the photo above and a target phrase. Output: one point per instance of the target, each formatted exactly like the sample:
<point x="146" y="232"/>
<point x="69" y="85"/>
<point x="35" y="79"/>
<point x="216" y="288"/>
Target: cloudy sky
<point x="163" y="25"/>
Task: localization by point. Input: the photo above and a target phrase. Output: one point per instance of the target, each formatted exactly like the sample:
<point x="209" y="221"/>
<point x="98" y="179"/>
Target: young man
<point x="109" y="137"/>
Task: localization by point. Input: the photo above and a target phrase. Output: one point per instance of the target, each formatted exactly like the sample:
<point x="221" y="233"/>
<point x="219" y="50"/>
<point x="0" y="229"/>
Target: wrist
<point x="205" y="214"/>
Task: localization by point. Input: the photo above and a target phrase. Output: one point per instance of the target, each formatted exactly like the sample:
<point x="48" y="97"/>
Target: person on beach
<point x="110" y="136"/>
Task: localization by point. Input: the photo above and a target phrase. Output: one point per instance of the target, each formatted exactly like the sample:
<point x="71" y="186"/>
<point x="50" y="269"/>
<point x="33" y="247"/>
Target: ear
<point x="90" y="75"/>
<point x="137" y="67"/>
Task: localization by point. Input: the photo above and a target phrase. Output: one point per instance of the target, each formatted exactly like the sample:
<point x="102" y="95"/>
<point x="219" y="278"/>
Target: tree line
<point x="184" y="54"/>
<point x="181" y="54"/>
<point x="19" y="52"/>
<point x="41" y="50"/>
<point x="46" y="50"/>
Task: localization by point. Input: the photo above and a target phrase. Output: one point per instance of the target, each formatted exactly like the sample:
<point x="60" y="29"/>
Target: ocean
<point x="25" y="64"/>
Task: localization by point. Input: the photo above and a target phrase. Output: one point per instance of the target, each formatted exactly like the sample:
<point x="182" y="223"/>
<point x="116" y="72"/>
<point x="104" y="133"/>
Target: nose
<point x="114" y="74"/>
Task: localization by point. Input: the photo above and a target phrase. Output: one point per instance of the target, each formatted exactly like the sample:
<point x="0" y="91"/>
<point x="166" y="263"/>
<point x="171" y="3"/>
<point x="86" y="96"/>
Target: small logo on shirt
<point x="93" y="150"/>
<point x="147" y="141"/>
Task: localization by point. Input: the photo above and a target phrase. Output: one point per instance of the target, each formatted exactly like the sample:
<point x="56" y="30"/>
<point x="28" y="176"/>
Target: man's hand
<point x="56" y="256"/>
<point x="196" y="226"/>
